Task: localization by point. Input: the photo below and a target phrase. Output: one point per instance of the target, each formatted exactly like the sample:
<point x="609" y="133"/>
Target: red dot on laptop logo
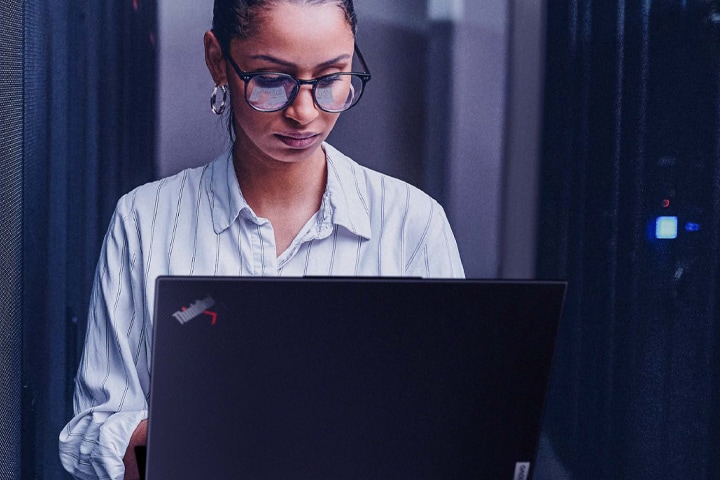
<point x="211" y="314"/>
<point x="195" y="310"/>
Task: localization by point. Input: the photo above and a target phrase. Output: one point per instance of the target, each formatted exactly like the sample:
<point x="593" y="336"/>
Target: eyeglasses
<point x="274" y="91"/>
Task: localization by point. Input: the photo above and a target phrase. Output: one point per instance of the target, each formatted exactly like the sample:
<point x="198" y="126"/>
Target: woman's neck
<point x="286" y="193"/>
<point x="269" y="185"/>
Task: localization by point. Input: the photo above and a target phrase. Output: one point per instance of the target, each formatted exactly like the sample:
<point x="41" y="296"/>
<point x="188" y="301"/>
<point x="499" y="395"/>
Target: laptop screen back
<point x="259" y="378"/>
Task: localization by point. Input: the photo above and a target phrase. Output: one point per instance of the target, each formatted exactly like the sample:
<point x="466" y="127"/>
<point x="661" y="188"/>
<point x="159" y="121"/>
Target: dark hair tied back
<point x="238" y="18"/>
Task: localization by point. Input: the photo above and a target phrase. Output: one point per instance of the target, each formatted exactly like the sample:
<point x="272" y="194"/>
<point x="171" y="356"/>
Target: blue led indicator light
<point x="692" y="227"/>
<point x="666" y="228"/>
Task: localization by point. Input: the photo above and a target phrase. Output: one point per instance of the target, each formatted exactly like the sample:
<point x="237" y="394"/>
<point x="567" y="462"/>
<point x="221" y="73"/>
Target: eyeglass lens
<point x="334" y="93"/>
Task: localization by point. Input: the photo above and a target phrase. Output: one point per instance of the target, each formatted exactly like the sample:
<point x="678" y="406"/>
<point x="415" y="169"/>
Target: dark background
<point x="631" y="121"/>
<point x="79" y="78"/>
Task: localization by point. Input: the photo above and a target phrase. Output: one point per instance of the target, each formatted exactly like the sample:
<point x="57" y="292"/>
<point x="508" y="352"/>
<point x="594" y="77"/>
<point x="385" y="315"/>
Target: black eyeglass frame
<point x="247" y="76"/>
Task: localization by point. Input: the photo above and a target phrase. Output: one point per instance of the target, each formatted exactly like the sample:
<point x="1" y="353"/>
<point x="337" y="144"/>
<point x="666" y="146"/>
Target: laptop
<point x="349" y="378"/>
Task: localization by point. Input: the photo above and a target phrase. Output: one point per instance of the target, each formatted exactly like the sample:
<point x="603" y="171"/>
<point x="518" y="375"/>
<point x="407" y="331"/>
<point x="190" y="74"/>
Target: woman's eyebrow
<point x="284" y="63"/>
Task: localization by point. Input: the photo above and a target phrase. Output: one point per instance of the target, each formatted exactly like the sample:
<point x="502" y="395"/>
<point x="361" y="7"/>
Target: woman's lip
<point x="298" y="140"/>
<point x="298" y="136"/>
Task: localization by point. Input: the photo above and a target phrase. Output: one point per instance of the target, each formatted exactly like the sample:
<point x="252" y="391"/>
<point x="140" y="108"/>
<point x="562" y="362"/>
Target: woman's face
<point x="305" y="41"/>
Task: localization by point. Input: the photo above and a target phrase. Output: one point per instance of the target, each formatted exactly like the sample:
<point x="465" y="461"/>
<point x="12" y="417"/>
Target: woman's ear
<point x="214" y="59"/>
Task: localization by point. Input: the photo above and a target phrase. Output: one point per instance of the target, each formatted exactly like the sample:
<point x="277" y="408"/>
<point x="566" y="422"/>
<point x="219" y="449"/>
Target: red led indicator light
<point x="666" y="203"/>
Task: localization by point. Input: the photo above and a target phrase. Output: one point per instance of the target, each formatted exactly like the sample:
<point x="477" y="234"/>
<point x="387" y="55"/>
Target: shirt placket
<point x="263" y="249"/>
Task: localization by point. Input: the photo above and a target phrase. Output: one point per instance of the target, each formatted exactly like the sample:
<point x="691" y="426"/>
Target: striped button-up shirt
<point x="198" y="223"/>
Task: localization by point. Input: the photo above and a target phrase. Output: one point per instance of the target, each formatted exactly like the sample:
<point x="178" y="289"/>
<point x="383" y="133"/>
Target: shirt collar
<point x="224" y="196"/>
<point x="346" y="193"/>
<point x="344" y="202"/>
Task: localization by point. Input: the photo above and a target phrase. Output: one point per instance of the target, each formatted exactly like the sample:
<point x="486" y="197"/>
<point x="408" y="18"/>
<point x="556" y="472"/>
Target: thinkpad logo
<point x="201" y="307"/>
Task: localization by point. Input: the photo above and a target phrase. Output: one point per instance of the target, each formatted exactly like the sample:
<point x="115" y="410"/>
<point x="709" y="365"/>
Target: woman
<point x="281" y="202"/>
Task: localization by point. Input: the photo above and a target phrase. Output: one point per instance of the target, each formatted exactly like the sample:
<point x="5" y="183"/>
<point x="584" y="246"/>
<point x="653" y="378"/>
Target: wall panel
<point x="11" y="151"/>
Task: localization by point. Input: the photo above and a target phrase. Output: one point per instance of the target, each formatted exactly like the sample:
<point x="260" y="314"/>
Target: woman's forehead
<point x="313" y="19"/>
<point x="299" y="33"/>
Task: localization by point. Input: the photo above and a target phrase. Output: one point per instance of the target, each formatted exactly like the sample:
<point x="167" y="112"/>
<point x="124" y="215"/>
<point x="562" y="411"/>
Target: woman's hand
<point x="139" y="438"/>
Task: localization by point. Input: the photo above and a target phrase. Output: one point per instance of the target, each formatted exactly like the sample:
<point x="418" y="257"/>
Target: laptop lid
<point x="271" y="378"/>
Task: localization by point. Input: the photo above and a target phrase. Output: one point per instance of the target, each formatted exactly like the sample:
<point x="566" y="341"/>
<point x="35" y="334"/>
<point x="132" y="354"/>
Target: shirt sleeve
<point x="437" y="255"/>
<point x="112" y="382"/>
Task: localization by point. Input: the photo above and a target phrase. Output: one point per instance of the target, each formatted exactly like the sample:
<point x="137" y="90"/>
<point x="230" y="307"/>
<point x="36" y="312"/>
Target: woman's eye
<point x="329" y="80"/>
<point x="270" y="81"/>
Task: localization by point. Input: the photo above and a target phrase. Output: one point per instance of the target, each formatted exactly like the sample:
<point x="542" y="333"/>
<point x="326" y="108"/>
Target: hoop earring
<point x="218" y="109"/>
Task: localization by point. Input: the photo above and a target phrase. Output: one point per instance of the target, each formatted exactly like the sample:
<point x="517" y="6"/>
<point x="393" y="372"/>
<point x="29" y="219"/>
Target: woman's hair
<point x="239" y="18"/>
